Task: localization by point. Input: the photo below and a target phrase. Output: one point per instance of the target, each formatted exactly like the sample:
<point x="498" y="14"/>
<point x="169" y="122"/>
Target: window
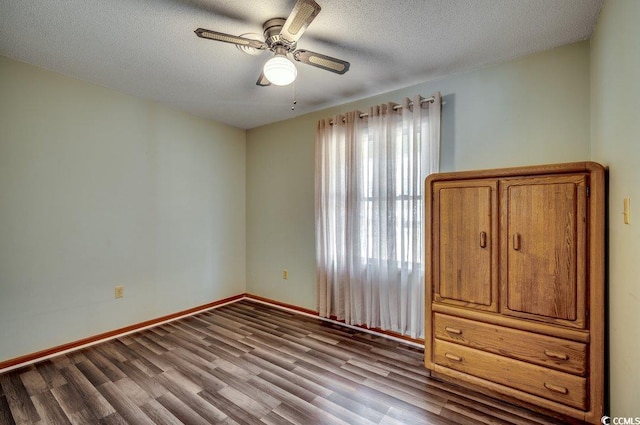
<point x="369" y="211"/>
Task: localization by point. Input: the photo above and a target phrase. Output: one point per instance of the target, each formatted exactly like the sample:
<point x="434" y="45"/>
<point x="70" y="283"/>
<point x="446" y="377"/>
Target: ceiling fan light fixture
<point x="279" y="70"/>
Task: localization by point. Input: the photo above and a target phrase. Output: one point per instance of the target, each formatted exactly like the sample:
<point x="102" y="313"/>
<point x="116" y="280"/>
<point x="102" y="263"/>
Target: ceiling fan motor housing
<point x="272" y="37"/>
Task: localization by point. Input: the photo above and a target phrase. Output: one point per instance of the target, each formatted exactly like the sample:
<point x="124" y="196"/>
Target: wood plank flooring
<point x="245" y="363"/>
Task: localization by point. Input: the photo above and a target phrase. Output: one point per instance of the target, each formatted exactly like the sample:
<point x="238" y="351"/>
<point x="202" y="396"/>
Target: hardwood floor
<point x="245" y="363"/>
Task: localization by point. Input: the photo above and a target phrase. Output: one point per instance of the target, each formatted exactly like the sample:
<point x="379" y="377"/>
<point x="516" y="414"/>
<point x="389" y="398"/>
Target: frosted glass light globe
<point x="280" y="71"/>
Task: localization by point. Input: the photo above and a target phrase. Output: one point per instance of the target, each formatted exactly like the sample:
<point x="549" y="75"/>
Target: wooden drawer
<point x="547" y="383"/>
<point x="556" y="353"/>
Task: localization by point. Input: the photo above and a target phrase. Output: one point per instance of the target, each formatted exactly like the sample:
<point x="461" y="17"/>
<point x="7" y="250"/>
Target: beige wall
<point x="530" y="111"/>
<point x="98" y="189"/>
<point x="615" y="130"/>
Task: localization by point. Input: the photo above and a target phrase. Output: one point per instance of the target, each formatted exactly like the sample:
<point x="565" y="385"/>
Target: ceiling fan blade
<point x="321" y="61"/>
<point x="262" y="81"/>
<point x="228" y="38"/>
<point x="303" y="13"/>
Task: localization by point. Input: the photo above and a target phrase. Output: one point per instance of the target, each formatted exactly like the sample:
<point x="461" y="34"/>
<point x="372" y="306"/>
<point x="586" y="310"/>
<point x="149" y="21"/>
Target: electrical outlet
<point x="119" y="291"/>
<point x="285" y="274"/>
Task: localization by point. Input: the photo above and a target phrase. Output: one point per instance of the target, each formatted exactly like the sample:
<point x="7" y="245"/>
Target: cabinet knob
<point x="556" y="389"/>
<point x="483" y="239"/>
<point x="454" y="357"/>
<point x="554" y="355"/>
<point x="516" y="241"/>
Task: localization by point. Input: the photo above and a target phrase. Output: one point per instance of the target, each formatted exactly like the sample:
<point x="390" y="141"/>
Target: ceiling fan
<point x="281" y="37"/>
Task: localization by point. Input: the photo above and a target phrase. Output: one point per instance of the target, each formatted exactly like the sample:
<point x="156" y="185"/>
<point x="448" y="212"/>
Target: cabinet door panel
<point x="544" y="246"/>
<point x="464" y="241"/>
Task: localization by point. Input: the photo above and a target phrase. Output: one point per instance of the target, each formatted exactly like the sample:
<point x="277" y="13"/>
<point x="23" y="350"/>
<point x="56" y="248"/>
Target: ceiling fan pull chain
<point x="294" y="101"/>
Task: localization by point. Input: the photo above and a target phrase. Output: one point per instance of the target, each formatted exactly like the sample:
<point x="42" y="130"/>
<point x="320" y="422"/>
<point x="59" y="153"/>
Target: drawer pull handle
<point x="453" y="330"/>
<point x="483" y="239"/>
<point x="556" y="389"/>
<point x="454" y="357"/>
<point x="554" y="355"/>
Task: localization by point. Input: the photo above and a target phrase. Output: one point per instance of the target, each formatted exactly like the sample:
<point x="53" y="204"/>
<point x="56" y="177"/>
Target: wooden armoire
<point x="515" y="284"/>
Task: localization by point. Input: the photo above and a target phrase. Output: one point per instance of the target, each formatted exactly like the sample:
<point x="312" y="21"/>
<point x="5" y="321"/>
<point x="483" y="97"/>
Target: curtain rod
<point x="397" y="107"/>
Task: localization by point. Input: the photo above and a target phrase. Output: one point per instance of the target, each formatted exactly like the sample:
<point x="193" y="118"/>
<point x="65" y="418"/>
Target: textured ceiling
<point x="147" y="48"/>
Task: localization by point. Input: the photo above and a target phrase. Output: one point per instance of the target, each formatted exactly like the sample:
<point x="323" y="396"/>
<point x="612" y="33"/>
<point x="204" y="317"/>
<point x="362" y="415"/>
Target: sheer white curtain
<point x="369" y="213"/>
